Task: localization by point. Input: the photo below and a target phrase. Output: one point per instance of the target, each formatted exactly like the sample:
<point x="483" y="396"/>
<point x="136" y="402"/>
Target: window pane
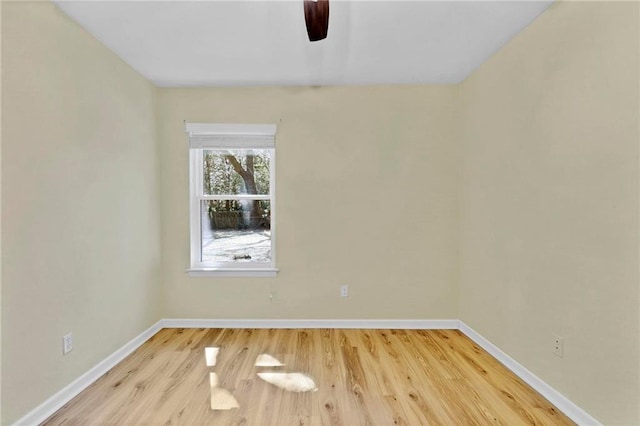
<point x="236" y="231"/>
<point x="236" y="171"/>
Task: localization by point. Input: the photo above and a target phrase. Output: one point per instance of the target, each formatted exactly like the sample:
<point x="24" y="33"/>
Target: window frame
<point x="215" y="136"/>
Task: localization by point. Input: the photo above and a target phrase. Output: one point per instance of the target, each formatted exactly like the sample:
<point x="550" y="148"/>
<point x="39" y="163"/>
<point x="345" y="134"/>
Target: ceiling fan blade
<point x="316" y="16"/>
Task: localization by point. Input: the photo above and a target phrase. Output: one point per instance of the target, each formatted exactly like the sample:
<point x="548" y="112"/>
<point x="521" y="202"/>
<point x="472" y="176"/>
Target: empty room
<point x="320" y="212"/>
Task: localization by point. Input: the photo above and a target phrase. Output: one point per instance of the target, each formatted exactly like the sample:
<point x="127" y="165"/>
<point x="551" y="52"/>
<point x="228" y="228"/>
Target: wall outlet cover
<point x="67" y="343"/>
<point x="344" y="291"/>
<point x="558" y="345"/>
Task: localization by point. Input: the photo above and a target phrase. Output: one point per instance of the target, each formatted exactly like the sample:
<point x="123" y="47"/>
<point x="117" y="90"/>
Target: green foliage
<point x="222" y="178"/>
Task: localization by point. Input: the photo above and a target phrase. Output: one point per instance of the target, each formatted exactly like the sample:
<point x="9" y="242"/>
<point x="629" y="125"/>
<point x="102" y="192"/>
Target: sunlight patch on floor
<point x="266" y="360"/>
<point x="210" y="356"/>
<point x="221" y="399"/>
<point x="292" y="382"/>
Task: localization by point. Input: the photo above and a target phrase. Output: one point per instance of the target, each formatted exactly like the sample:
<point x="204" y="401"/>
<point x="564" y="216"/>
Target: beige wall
<point x="0" y="220"/>
<point x="79" y="204"/>
<point x="366" y="196"/>
<point x="549" y="224"/>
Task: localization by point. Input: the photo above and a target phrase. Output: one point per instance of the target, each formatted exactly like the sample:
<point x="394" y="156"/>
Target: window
<point x="232" y="187"/>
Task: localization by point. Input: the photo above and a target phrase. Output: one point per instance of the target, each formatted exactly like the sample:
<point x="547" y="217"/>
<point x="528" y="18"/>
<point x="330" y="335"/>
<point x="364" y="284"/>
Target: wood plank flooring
<point x="346" y="377"/>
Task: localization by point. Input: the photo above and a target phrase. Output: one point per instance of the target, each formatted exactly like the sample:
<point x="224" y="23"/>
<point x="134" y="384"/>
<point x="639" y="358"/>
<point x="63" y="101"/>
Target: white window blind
<point x="229" y="136"/>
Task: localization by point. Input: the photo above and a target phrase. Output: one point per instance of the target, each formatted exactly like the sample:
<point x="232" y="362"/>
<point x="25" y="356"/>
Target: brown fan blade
<point x="316" y="16"/>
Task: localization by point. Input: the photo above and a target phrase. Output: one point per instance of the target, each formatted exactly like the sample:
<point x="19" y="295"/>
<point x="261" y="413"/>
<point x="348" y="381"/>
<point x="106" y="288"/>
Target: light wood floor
<point x="363" y="377"/>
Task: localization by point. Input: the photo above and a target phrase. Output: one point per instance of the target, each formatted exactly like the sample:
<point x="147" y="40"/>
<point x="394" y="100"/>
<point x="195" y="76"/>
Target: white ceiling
<point x="252" y="43"/>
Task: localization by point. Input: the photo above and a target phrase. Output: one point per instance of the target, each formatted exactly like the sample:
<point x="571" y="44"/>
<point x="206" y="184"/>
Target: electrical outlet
<point x="558" y="345"/>
<point x="344" y="291"/>
<point x="67" y="343"/>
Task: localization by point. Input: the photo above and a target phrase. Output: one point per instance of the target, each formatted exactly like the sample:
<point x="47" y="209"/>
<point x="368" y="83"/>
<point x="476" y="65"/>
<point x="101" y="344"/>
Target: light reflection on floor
<point x="292" y="382"/>
<point x="222" y="399"/>
<point x="266" y="360"/>
<point x="210" y="356"/>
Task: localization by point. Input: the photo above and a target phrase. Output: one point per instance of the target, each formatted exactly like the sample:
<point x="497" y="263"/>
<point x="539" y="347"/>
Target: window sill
<point x="235" y="272"/>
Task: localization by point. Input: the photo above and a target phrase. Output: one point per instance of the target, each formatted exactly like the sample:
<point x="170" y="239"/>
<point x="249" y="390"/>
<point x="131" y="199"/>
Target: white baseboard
<point x="66" y="394"/>
<point x="570" y="409"/>
<point x="51" y="405"/>
<point x="449" y="324"/>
